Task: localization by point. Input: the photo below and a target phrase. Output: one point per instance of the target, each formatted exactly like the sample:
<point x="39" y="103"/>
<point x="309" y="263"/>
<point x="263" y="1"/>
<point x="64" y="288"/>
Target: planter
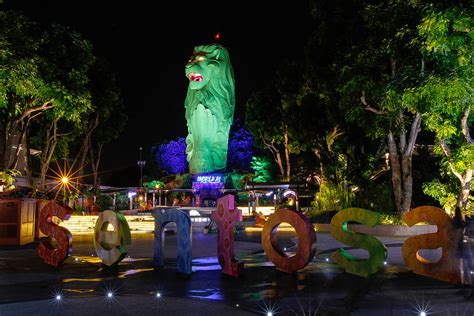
<point x="384" y="230"/>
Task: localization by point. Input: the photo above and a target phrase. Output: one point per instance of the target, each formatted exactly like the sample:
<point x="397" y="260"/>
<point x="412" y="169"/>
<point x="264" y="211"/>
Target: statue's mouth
<point x="194" y="76"/>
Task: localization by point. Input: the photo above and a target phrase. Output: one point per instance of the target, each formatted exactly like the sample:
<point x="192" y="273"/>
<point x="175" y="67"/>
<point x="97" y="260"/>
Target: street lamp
<point x="141" y="163"/>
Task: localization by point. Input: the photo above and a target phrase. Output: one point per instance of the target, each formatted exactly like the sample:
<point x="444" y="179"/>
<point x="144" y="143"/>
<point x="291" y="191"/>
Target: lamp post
<point x="141" y="163"/>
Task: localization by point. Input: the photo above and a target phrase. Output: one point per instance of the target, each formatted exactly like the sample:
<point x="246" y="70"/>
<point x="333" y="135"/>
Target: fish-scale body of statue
<point x="209" y="105"/>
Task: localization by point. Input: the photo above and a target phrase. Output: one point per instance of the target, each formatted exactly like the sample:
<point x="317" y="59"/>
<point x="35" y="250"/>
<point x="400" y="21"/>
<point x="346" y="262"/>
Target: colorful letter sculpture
<point x="225" y="216"/>
<point x="340" y="231"/>
<point x="209" y="105"/>
<point x="109" y="245"/>
<point x="447" y="237"/>
<point x="50" y="254"/>
<point x="183" y="222"/>
<point x="306" y="240"/>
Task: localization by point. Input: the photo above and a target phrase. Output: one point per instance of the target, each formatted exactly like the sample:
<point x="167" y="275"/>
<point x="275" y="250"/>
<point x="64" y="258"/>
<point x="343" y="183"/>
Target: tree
<point x="66" y="58"/>
<point x="261" y="167"/>
<point x="106" y="122"/>
<point x="268" y="116"/>
<point x="24" y="92"/>
<point x="448" y="92"/>
<point x="239" y="155"/>
<point x="43" y="73"/>
<point x="171" y="156"/>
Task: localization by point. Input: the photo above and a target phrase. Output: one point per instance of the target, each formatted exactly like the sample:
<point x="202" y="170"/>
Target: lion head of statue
<point x="209" y="67"/>
<point x="209" y="105"/>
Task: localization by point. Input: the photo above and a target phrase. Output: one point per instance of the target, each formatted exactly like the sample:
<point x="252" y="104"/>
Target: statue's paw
<point x="204" y="125"/>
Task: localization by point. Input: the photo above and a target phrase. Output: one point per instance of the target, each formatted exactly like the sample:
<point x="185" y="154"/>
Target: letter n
<point x="183" y="222"/>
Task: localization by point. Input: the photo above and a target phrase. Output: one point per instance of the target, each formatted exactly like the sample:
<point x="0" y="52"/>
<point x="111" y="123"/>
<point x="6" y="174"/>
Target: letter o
<point x="306" y="240"/>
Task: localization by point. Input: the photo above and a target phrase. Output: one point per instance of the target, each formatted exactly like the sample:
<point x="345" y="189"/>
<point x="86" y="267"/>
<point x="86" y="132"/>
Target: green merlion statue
<point x="209" y="105"/>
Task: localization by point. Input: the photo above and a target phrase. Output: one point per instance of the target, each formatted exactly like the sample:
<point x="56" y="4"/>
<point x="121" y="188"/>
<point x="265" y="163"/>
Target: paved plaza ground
<point x="28" y="286"/>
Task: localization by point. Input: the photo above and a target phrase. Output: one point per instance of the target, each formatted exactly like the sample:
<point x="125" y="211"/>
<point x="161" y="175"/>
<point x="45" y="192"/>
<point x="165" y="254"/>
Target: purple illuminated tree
<point x="171" y="157"/>
<point x="239" y="155"/>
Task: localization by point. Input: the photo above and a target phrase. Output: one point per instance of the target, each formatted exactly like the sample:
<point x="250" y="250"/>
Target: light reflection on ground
<point x="137" y="276"/>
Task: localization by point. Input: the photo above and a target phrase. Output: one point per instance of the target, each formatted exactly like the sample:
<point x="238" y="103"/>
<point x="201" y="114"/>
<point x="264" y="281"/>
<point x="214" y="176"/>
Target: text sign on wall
<point x="209" y="179"/>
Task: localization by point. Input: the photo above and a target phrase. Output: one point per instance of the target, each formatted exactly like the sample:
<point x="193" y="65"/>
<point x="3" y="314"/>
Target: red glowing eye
<point x="217" y="36"/>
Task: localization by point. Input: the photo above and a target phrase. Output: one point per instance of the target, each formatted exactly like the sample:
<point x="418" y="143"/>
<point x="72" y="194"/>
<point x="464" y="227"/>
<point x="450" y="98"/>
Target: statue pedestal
<point x="208" y="188"/>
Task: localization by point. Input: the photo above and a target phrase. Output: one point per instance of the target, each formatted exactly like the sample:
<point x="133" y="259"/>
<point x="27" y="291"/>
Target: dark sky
<point x="148" y="44"/>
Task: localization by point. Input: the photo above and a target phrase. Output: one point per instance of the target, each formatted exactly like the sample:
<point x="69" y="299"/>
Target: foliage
<point x="105" y="122"/>
<point x="333" y="197"/>
<point x="261" y="167"/>
<point x="155" y="184"/>
<point x="122" y="201"/>
<point x="269" y="116"/>
<point x="239" y="155"/>
<point x="171" y="157"/>
<point x="43" y="72"/>
<point x="390" y="219"/>
<point x="7" y="179"/>
<point x="104" y="201"/>
<point x="376" y="197"/>
<point x="448" y="43"/>
<point x="447" y="196"/>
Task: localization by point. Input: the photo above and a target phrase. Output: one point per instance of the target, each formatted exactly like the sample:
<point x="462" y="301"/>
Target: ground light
<point x="422" y="313"/>
<point x="58" y="297"/>
<point x="269" y="314"/>
<point x="110" y="295"/>
<point x="158" y="295"/>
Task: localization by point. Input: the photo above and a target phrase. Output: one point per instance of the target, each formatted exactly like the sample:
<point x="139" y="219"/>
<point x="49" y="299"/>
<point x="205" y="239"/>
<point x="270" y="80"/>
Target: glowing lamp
<point x="65" y="180"/>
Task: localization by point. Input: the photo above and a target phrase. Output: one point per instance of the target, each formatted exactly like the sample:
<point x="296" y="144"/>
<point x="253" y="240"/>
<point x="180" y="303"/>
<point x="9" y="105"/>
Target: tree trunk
<point x="401" y="164"/>
<point x="276" y="154"/>
<point x="407" y="180"/>
<point x="48" y="151"/>
<point x="280" y="164"/>
<point x="29" y="164"/>
<point x="396" y="171"/>
<point x="14" y="162"/>
<point x="10" y="124"/>
<point x="3" y="145"/>
<point x="463" y="196"/>
<point x="95" y="161"/>
<point x="287" y="155"/>
<point x="84" y="150"/>
<point x="10" y="140"/>
<point x="317" y="152"/>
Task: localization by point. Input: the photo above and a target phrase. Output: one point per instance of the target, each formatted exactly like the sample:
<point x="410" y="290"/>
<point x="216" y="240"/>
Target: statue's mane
<point x="218" y="95"/>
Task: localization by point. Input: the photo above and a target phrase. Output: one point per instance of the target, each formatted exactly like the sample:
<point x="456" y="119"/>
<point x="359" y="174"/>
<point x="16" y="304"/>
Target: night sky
<point x="148" y="44"/>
